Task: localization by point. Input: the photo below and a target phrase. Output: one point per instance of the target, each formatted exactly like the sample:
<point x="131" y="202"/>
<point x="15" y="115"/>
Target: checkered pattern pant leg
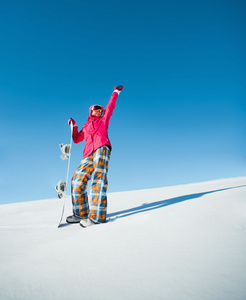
<point x="98" y="199"/>
<point x="79" y="186"/>
<point x="97" y="162"/>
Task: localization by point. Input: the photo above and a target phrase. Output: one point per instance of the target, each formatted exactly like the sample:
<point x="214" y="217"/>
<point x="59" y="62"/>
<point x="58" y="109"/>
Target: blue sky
<point x="181" y="117"/>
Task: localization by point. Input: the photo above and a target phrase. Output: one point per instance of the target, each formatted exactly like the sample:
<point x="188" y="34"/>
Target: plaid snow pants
<point x="97" y="162"/>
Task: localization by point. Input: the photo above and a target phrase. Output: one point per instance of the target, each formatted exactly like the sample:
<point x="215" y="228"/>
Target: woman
<point x="96" y="157"/>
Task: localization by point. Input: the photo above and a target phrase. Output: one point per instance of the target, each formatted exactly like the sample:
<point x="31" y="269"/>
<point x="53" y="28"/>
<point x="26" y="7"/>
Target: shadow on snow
<point x="162" y="203"/>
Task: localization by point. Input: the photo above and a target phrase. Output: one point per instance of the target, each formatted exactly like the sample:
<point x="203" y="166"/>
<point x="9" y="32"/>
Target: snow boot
<point x="73" y="219"/>
<point x="87" y="222"/>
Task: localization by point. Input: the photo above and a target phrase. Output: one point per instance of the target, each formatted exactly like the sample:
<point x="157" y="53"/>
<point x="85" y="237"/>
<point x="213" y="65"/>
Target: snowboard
<point x="61" y="186"/>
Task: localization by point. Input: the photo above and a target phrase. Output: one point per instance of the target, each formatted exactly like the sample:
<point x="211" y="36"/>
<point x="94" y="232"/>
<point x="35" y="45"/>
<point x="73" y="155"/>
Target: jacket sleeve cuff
<point x="117" y="91"/>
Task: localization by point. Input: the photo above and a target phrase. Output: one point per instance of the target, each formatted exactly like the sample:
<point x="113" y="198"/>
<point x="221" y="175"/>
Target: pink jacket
<point x="95" y="130"/>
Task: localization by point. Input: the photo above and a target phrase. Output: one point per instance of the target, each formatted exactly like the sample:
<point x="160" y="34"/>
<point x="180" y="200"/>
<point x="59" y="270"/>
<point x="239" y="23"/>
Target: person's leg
<point x="78" y="187"/>
<point x="98" y="199"/>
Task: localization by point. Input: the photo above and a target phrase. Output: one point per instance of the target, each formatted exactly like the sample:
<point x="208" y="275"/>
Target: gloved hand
<point x="71" y="121"/>
<point x="119" y="88"/>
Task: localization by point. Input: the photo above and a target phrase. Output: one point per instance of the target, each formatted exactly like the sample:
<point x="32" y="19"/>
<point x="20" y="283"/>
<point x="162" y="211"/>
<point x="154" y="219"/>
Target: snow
<point x="177" y="242"/>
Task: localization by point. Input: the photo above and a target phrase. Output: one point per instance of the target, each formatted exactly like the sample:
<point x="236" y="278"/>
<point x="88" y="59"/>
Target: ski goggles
<point x="97" y="107"/>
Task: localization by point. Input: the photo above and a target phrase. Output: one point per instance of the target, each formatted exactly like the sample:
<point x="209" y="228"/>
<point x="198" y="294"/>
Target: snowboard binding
<point x="60" y="188"/>
<point x="65" y="149"/>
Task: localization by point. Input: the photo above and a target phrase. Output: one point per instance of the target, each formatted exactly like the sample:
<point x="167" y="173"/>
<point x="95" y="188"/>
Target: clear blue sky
<point x="181" y="117"/>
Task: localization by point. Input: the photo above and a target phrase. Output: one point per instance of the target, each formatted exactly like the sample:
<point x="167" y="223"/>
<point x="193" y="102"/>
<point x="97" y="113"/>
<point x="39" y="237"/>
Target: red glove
<point x="119" y="88"/>
<point x="71" y="121"/>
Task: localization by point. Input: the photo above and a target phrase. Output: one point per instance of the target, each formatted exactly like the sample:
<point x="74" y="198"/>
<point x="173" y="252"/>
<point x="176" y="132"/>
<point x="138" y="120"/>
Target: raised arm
<point x="111" y="104"/>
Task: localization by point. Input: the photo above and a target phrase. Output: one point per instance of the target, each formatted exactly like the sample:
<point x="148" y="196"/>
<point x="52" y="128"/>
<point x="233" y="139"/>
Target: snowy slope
<point x="178" y="242"/>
